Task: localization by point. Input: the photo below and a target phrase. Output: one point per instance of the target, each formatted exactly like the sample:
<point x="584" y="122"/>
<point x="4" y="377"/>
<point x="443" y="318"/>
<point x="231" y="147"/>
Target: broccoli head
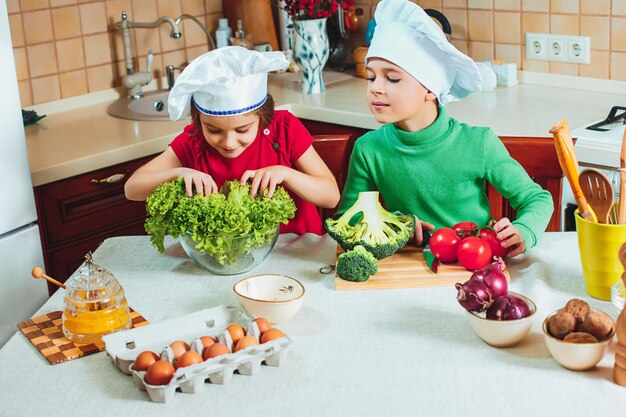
<point x="368" y="224"/>
<point x="356" y="265"/>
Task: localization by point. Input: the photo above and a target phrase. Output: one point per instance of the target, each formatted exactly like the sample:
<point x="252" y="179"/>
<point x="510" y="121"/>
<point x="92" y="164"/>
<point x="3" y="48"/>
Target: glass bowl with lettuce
<point x="227" y="233"/>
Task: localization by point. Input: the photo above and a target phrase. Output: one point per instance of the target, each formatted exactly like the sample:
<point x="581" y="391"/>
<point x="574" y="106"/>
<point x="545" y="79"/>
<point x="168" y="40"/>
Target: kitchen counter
<point x="72" y="142"/>
<point x="368" y="353"/>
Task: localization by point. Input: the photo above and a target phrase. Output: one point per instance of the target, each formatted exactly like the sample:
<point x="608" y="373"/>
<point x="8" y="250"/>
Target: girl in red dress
<point x="236" y="134"/>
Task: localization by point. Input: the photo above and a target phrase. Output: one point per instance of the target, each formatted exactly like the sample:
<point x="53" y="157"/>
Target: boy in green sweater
<point x="422" y="161"/>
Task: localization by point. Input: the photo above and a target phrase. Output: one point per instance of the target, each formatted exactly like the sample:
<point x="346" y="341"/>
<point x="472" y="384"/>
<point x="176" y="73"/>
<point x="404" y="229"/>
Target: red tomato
<point x="495" y="244"/>
<point x="443" y="243"/>
<point x="464" y="229"/>
<point x="474" y="253"/>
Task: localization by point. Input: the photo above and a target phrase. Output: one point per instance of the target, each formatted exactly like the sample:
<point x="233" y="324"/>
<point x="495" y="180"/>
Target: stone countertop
<point x="73" y="142"/>
<point x="393" y="352"/>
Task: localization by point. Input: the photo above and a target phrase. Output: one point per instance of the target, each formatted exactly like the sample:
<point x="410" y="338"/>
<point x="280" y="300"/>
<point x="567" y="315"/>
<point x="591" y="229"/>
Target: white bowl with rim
<point x="274" y="297"/>
<point x="577" y="356"/>
<point x="503" y="333"/>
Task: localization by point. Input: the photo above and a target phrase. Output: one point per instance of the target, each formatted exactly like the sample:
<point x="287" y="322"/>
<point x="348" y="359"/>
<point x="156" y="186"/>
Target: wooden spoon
<point x="598" y="191"/>
<point x="38" y="273"/>
<point x="621" y="216"/>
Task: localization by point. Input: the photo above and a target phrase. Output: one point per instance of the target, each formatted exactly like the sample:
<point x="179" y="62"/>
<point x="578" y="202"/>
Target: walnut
<point x="578" y="308"/>
<point x="580" y="337"/>
<point x="597" y="324"/>
<point x="561" y="324"/>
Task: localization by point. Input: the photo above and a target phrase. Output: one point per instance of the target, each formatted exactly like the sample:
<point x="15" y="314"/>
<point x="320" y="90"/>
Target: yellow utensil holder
<point x="599" y="247"/>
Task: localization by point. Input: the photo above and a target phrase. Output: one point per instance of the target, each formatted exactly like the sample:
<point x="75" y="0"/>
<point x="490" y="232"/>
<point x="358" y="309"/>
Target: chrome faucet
<point x="199" y="23"/>
<point x="133" y="81"/>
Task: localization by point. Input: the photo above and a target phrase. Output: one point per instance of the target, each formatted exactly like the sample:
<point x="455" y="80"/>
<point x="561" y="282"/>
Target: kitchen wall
<point x="494" y="29"/>
<point x="65" y="48"/>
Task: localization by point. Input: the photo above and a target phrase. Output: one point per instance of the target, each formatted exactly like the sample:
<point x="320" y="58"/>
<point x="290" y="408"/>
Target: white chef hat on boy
<point x="226" y="81"/>
<point x="406" y="36"/>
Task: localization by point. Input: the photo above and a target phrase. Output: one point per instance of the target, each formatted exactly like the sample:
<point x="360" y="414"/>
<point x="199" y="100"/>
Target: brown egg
<point x="236" y="332"/>
<point x="179" y="348"/>
<point x="271" y="334"/>
<point x="216" y="349"/>
<point x="207" y="341"/>
<point x="262" y="324"/>
<point x="246" y="341"/>
<point x="160" y="373"/>
<point x="188" y="358"/>
<point x="144" y="360"/>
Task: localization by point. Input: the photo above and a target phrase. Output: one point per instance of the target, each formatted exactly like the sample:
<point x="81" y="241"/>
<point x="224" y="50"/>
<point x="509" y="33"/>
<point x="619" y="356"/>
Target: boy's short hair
<point x="265" y="112"/>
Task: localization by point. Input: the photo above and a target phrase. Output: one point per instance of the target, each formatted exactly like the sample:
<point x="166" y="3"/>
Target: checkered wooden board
<point x="44" y="332"/>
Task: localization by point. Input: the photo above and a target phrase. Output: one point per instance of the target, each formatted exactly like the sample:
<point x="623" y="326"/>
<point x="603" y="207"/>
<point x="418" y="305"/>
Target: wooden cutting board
<point x="257" y="19"/>
<point x="407" y="268"/>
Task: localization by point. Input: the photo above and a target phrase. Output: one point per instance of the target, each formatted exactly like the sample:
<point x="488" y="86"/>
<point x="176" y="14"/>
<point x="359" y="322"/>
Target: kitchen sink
<point x="152" y="106"/>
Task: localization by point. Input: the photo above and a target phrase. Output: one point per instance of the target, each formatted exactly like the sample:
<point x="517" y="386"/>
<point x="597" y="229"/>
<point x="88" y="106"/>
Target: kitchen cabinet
<point x="76" y="214"/>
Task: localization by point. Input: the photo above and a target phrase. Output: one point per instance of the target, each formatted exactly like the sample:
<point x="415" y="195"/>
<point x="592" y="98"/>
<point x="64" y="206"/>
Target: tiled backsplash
<point x="494" y="29"/>
<point x="65" y="48"/>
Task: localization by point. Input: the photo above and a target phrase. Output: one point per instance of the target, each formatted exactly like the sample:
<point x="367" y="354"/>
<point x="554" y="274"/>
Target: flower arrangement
<point x="314" y="9"/>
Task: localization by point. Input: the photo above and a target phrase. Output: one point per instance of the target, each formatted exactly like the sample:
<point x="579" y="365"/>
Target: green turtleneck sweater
<point x="439" y="175"/>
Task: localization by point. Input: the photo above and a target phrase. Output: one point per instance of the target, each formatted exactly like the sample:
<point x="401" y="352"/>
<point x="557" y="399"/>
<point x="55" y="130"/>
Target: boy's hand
<point x="420" y="226"/>
<point x="510" y="237"/>
<point x="265" y="178"/>
<point x="203" y="183"/>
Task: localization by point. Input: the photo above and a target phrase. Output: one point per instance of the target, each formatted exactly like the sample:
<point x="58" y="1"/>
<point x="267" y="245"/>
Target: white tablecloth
<point x="367" y="353"/>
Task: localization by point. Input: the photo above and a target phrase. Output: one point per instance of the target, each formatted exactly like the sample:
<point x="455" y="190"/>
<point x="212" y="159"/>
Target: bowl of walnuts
<point x="577" y="336"/>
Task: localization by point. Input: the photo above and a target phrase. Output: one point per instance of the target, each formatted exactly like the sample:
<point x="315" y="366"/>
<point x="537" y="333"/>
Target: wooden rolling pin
<point x="37" y="272"/>
<point x="619" y="370"/>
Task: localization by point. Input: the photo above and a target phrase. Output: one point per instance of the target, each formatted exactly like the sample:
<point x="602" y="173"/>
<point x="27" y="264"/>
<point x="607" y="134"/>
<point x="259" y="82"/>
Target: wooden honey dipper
<point x="37" y="272"/>
<point x="619" y="370"/>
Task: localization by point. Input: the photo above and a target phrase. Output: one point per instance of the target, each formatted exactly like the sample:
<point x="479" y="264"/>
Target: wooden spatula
<point x="621" y="216"/>
<point x="598" y="191"/>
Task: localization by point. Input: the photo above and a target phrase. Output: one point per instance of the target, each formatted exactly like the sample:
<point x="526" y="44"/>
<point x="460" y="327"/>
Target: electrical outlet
<point x="557" y="48"/>
<point x="560" y="48"/>
<point x="536" y="46"/>
<point x="578" y="49"/>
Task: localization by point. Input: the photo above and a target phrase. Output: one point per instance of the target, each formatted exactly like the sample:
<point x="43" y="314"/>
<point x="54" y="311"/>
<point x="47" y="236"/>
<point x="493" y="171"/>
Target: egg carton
<point x="123" y="347"/>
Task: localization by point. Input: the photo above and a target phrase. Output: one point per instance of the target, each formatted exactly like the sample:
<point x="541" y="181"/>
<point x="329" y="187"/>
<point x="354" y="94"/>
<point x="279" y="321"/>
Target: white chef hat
<point x="226" y="81"/>
<point x="406" y="36"/>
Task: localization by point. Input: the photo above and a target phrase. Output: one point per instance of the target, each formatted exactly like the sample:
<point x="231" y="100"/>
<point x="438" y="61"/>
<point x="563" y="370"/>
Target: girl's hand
<point x="265" y="178"/>
<point x="203" y="183"/>
<point x="510" y="237"/>
<point x="420" y="226"/>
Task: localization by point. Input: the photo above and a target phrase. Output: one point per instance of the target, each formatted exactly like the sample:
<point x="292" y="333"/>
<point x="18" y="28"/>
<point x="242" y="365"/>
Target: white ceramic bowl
<point x="274" y="297"/>
<point x="576" y="356"/>
<point x="503" y="333"/>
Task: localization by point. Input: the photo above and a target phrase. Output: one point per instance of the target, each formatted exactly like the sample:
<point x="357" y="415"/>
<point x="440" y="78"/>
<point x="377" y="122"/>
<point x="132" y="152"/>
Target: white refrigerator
<point x="20" y="247"/>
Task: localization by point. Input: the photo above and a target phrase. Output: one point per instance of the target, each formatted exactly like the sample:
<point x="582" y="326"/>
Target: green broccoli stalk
<point x="368" y="224"/>
<point x="357" y="265"/>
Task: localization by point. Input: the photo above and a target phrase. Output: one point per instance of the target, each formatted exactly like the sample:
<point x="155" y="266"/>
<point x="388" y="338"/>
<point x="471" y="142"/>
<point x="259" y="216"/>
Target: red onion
<point x="493" y="276"/>
<point x="508" y="308"/>
<point x="474" y="295"/>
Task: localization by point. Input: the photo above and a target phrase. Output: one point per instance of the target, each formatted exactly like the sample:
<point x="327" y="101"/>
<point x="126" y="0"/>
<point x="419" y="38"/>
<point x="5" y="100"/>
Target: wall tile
<point x="97" y="49"/>
<point x="145" y="40"/>
<point x="599" y="67"/>
<point x="146" y="11"/>
<point x="34" y="4"/>
<point x="57" y="3"/>
<point x="618" y="34"/>
<point x="619" y="7"/>
<point x="507" y="27"/>
<point x="99" y="78"/>
<point x="21" y="63"/>
<point x="507" y="4"/>
<point x="597" y="27"/>
<point x="618" y="66"/>
<point x="70" y="54"/>
<point x="66" y="22"/>
<point x="169" y="8"/>
<point x="193" y="35"/>
<point x="427" y="4"/>
<point x="535" y="5"/>
<point x="26" y="93"/>
<point x="42" y="60"/>
<point x="17" y="31"/>
<point x="458" y="22"/>
<point x="193" y="7"/>
<point x="115" y="9"/>
<point x="535" y="23"/>
<point x="562" y="24"/>
<point x="93" y="18"/>
<point x="73" y="83"/>
<point x="562" y="68"/>
<point x="461" y="45"/>
<point x="46" y="89"/>
<point x="13" y="6"/>
<point x="480" y="25"/>
<point x="195" y="51"/>
<point x="481" y="51"/>
<point x="509" y="53"/>
<point x="480" y="4"/>
<point x="564" y="6"/>
<point x="455" y="3"/>
<point x="176" y="58"/>
<point x="602" y="7"/>
<point x="534" y="65"/>
<point x="38" y="26"/>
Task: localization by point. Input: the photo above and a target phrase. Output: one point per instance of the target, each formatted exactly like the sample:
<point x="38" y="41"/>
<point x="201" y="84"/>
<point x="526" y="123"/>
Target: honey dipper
<point x="37" y="272"/>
